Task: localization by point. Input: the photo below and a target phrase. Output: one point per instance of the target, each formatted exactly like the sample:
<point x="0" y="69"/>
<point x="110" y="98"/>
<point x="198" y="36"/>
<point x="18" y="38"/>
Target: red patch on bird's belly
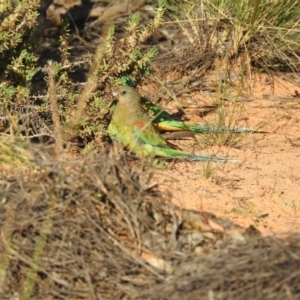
<point x="139" y="124"/>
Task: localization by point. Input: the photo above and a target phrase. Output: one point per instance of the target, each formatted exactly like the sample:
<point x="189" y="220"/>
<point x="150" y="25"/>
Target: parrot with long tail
<point x="132" y="128"/>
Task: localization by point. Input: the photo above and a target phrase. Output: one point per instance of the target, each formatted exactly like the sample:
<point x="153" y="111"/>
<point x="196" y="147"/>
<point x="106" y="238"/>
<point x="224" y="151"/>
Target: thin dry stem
<point x="52" y="90"/>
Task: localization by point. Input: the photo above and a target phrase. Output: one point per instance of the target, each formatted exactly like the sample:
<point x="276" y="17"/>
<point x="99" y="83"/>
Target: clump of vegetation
<point x="17" y="59"/>
<point x="263" y="33"/>
<point x="17" y="68"/>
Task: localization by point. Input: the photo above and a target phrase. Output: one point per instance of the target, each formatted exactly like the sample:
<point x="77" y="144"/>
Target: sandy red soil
<point x="263" y="189"/>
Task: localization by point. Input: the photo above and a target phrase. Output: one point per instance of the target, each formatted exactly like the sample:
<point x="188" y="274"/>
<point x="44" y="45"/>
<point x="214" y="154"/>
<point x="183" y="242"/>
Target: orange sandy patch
<point x="264" y="188"/>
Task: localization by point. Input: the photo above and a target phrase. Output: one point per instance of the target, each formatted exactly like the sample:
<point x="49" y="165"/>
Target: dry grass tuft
<point x="102" y="230"/>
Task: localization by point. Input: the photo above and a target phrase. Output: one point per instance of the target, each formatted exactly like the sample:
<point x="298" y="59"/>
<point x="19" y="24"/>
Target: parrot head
<point x="127" y="94"/>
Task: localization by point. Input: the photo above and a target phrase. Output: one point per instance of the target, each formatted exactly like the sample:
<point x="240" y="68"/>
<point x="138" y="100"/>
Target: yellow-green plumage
<point x="133" y="129"/>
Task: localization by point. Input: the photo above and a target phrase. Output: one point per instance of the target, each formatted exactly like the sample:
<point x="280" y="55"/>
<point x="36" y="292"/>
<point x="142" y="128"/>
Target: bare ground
<point x="263" y="188"/>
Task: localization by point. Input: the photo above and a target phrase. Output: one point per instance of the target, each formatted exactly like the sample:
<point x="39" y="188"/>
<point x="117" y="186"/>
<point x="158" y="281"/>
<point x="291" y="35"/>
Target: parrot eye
<point x="123" y="93"/>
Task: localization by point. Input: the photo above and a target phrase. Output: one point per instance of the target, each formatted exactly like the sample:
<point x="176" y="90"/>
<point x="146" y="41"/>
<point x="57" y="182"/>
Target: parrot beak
<point x="116" y="92"/>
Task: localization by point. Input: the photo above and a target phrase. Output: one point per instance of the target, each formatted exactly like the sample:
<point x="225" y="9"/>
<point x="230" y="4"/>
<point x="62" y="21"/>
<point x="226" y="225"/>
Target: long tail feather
<point x="197" y="128"/>
<point x="182" y="155"/>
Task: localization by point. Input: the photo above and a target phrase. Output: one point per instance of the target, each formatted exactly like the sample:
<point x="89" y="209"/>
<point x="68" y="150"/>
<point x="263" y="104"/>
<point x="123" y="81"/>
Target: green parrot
<point x="163" y="121"/>
<point x="131" y="127"/>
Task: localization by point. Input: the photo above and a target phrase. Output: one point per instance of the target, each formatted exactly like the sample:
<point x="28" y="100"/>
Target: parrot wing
<point x="146" y="134"/>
